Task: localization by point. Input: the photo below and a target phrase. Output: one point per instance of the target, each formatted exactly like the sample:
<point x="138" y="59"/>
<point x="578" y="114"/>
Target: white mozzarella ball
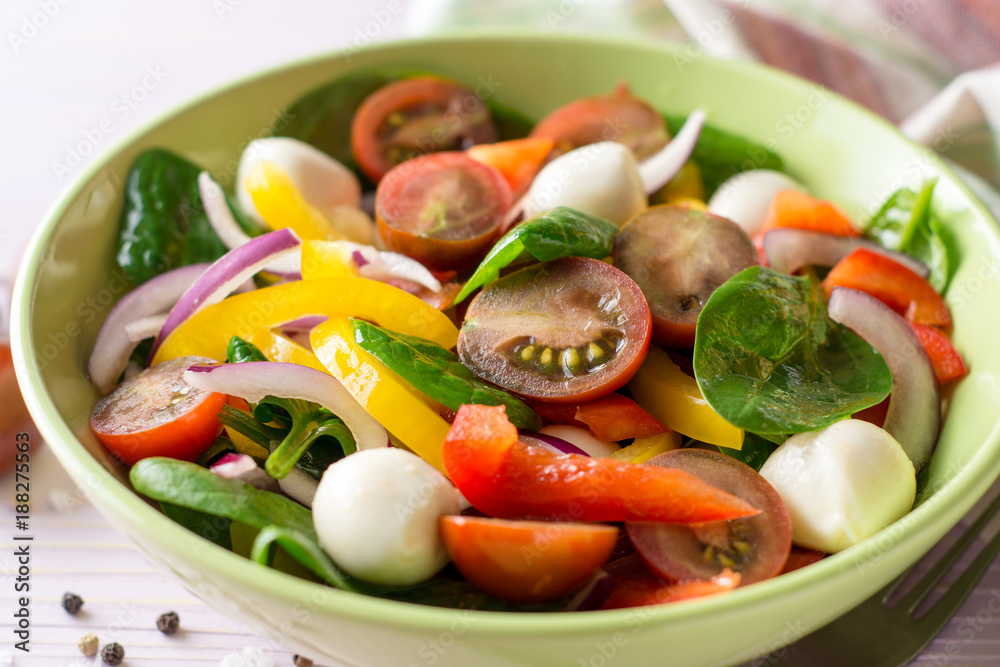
<point x="842" y="484"/>
<point x="600" y="179"/>
<point x="745" y="197"/>
<point x="376" y="515"/>
<point x="323" y="181"/>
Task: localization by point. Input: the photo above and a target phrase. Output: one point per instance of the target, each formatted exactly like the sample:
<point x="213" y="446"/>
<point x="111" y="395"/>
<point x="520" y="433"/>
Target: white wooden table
<point x="71" y="73"/>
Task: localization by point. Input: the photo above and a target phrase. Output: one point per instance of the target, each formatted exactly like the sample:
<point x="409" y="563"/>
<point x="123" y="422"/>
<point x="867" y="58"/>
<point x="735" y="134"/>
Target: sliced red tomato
<point x="568" y="330"/>
<point x="610" y="418"/>
<point x="617" y="117"/>
<point x="156" y="413"/>
<point x="948" y="363"/>
<point x="444" y="210"/>
<point x="754" y="547"/>
<point x="645" y="591"/>
<point x="508" y="479"/>
<point x="891" y="283"/>
<point x="526" y="561"/>
<point x="414" y="117"/>
<point x="519" y="160"/>
<point x="800" y="557"/>
<point x="678" y="256"/>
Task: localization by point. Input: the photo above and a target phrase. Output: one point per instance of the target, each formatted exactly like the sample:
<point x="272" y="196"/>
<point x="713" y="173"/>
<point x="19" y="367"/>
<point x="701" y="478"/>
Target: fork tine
<point x="944" y="607"/>
<point x="920" y="590"/>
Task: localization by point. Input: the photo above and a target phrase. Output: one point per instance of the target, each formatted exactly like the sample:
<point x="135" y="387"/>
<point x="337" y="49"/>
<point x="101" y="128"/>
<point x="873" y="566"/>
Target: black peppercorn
<point x="72" y="602"/>
<point x="301" y="661"/>
<point x="113" y="654"/>
<point x="167" y="623"/>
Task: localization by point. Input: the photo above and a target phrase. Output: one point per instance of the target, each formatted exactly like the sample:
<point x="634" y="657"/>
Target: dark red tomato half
<point x="678" y="256"/>
<point x="156" y="413"/>
<point x="756" y="547"/>
<point x="414" y="117"/>
<point x="619" y="117"/>
<point x="443" y="209"/>
<point x="571" y="329"/>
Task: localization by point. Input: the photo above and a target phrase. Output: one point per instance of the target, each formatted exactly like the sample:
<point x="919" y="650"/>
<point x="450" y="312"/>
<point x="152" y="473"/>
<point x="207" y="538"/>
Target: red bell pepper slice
<point x="610" y="418"/>
<point x="891" y="283"/>
<point x="508" y="479"/>
<point x="798" y="210"/>
<point x="948" y="363"/>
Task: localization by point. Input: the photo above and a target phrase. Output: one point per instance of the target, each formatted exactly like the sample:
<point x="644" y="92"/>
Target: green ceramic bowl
<point x="842" y="152"/>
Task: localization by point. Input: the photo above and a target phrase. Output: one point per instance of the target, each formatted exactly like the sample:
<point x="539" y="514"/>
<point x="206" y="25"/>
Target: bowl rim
<point x="948" y="503"/>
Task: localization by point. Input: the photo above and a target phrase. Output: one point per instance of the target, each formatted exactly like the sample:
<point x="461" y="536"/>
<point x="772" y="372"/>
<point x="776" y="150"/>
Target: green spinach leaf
<point x="769" y="359"/>
<point x="561" y="232"/>
<point x="721" y="155"/>
<point x="163" y="224"/>
<point x="907" y="223"/>
<point x="213" y="528"/>
<point x="191" y="486"/>
<point x="755" y="451"/>
<point x="303" y="549"/>
<point x="438" y="372"/>
<point x="240" y="350"/>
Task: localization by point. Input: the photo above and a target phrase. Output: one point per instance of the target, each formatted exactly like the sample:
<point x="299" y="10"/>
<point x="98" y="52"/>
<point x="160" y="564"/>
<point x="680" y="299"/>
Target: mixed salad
<point x="428" y="350"/>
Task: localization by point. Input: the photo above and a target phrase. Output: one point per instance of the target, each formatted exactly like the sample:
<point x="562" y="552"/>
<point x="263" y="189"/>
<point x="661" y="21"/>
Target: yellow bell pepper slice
<point x="687" y="184"/>
<point x="326" y="259"/>
<point x="643" y="449"/>
<point x="207" y="333"/>
<point x="400" y="408"/>
<point x="281" y="204"/>
<point x="278" y="347"/>
<point x="673" y="397"/>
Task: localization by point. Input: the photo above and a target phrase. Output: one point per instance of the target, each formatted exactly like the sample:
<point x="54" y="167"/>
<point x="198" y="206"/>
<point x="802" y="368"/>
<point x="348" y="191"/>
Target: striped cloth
<point x="933" y="66"/>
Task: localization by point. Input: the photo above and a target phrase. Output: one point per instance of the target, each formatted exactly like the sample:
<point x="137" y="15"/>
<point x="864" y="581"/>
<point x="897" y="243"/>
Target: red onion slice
<point x="245" y="469"/>
<point x="299" y="486"/>
<point x="789" y="250"/>
<point x="253" y="380"/>
<point x="113" y="346"/>
<point x="384" y="265"/>
<point x="549" y="442"/>
<point x="229" y="231"/>
<point x="145" y="327"/>
<point x="581" y="438"/>
<point x="914" y="415"/>
<point x="225" y="275"/>
<point x="659" y="168"/>
<point x="233" y="466"/>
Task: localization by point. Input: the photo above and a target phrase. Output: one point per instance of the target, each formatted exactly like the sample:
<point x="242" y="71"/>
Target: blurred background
<point x="78" y="77"/>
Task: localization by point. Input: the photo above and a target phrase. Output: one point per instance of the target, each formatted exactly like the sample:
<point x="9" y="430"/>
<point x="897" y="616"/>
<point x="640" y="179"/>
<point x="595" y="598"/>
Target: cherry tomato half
<point x="526" y="561"/>
<point x="414" y="117"/>
<point x="755" y="547"/>
<point x="444" y="210"/>
<point x="617" y="117"/>
<point x="156" y="413"/>
<point x="567" y="330"/>
<point x="678" y="256"/>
